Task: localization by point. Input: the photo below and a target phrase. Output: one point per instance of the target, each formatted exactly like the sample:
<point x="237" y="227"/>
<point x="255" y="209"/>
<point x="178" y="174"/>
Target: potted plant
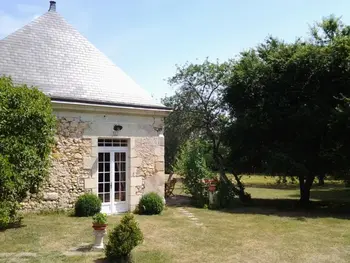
<point x="99" y="221"/>
<point x="99" y="224"/>
<point x="212" y="188"/>
<point x="211" y="184"/>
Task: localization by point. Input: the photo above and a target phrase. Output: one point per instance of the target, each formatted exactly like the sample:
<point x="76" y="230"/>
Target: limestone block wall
<point x="66" y="180"/>
<point x="74" y="158"/>
<point x="147" y="167"/>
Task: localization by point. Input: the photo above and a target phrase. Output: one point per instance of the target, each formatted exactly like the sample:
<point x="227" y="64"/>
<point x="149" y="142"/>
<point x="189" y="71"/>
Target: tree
<point x="179" y="128"/>
<point x="27" y="128"/>
<point x="200" y="111"/>
<point x="285" y="101"/>
<point x="191" y="166"/>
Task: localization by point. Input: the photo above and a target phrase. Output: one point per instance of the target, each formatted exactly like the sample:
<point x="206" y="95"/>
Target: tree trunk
<point x="242" y="194"/>
<point x="218" y="159"/>
<point x="321" y="180"/>
<point x="305" y="187"/>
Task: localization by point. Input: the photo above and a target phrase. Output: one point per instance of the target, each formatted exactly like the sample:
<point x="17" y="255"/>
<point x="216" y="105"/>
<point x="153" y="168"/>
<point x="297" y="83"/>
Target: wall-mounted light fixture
<point x="117" y="127"/>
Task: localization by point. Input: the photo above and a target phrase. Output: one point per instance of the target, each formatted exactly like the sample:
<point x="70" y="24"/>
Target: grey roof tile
<point x="50" y="54"/>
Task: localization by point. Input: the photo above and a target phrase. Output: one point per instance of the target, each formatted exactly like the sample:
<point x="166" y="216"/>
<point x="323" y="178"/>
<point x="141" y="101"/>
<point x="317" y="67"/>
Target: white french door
<point x="113" y="179"/>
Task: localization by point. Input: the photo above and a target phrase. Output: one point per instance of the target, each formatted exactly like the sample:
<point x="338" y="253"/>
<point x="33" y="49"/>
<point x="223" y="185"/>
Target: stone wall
<point x="74" y="159"/>
<point x="147" y="167"/>
<point x="66" y="180"/>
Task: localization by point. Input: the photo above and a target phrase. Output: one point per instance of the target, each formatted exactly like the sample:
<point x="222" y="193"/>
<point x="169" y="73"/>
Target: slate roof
<point x="50" y="54"/>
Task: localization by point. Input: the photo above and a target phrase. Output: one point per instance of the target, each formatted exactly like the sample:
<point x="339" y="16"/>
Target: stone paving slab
<point x="191" y="216"/>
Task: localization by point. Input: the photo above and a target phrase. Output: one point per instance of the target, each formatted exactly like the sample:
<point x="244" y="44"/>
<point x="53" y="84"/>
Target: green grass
<point x="172" y="237"/>
<point x="266" y="187"/>
<point x="268" y="230"/>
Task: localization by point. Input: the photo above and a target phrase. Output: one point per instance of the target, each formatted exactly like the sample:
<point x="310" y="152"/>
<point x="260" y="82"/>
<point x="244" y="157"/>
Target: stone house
<point x="109" y="131"/>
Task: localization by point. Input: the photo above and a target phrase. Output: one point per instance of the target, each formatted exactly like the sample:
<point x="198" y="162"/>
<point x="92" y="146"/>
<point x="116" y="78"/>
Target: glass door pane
<point x="104" y="176"/>
<point x="119" y="177"/>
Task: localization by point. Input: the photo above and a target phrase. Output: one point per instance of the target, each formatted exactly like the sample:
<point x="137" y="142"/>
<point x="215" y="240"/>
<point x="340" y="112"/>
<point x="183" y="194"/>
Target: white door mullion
<point x="112" y="181"/>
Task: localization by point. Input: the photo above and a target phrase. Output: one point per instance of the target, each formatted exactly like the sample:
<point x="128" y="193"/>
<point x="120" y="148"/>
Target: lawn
<point x="243" y="234"/>
<point x="266" y="187"/>
<point x="173" y="237"/>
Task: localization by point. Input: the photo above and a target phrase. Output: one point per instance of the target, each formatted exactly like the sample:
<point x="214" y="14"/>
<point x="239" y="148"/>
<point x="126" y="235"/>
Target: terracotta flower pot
<point x="99" y="226"/>
<point x="212" y="188"/>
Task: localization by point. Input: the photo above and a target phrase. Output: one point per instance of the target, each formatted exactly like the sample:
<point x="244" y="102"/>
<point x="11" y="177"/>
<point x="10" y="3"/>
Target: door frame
<point x="112" y="150"/>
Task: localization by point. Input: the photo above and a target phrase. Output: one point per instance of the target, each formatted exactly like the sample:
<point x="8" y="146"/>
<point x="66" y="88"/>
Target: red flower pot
<point x="212" y="188"/>
<point x="210" y="181"/>
<point x="99" y="226"/>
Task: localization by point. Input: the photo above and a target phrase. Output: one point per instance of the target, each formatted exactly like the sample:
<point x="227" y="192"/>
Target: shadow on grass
<point x="13" y="226"/>
<point x="330" y="194"/>
<point x="84" y="248"/>
<point x="101" y="260"/>
<point x="179" y="200"/>
<point x="153" y="256"/>
<point x="278" y="207"/>
<point x="292" y="208"/>
<point x="290" y="186"/>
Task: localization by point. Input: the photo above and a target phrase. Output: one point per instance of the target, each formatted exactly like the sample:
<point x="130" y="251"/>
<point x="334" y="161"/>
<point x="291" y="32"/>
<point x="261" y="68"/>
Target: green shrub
<point x="191" y="166"/>
<point x="99" y="218"/>
<point x="5" y="215"/>
<point x="123" y="239"/>
<point x="136" y="210"/>
<point x="151" y="204"/>
<point x="27" y="128"/>
<point x="87" y="205"/>
<point x="225" y="196"/>
<point x="9" y="214"/>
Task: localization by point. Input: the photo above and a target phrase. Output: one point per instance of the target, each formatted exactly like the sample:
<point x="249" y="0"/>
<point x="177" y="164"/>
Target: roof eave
<point x="86" y="105"/>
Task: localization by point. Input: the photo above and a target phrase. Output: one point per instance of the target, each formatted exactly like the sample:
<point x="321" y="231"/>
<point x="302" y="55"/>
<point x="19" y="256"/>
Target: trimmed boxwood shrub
<point x="87" y="205"/>
<point x="123" y="239"/>
<point x="151" y="204"/>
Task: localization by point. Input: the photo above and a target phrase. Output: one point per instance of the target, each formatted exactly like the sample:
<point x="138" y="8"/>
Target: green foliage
<point x="27" y="128"/>
<point x="328" y="29"/>
<point x="8" y="214"/>
<point x="191" y="166"/>
<point x="285" y="99"/>
<point x="200" y="113"/>
<point x="123" y="239"/>
<point x="5" y="218"/>
<point x="225" y="196"/>
<point x="198" y="109"/>
<point x="87" y="205"/>
<point x="151" y="204"/>
<point x="136" y="210"/>
<point x="100" y="218"/>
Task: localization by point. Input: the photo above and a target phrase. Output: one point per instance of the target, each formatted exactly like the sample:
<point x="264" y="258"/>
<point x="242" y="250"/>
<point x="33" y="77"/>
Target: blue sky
<point x="146" y="38"/>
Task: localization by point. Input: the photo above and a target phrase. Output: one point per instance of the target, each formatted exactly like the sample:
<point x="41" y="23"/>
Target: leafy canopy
<point x="198" y="106"/>
<point x="288" y="103"/>
<point x="27" y="128"/>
